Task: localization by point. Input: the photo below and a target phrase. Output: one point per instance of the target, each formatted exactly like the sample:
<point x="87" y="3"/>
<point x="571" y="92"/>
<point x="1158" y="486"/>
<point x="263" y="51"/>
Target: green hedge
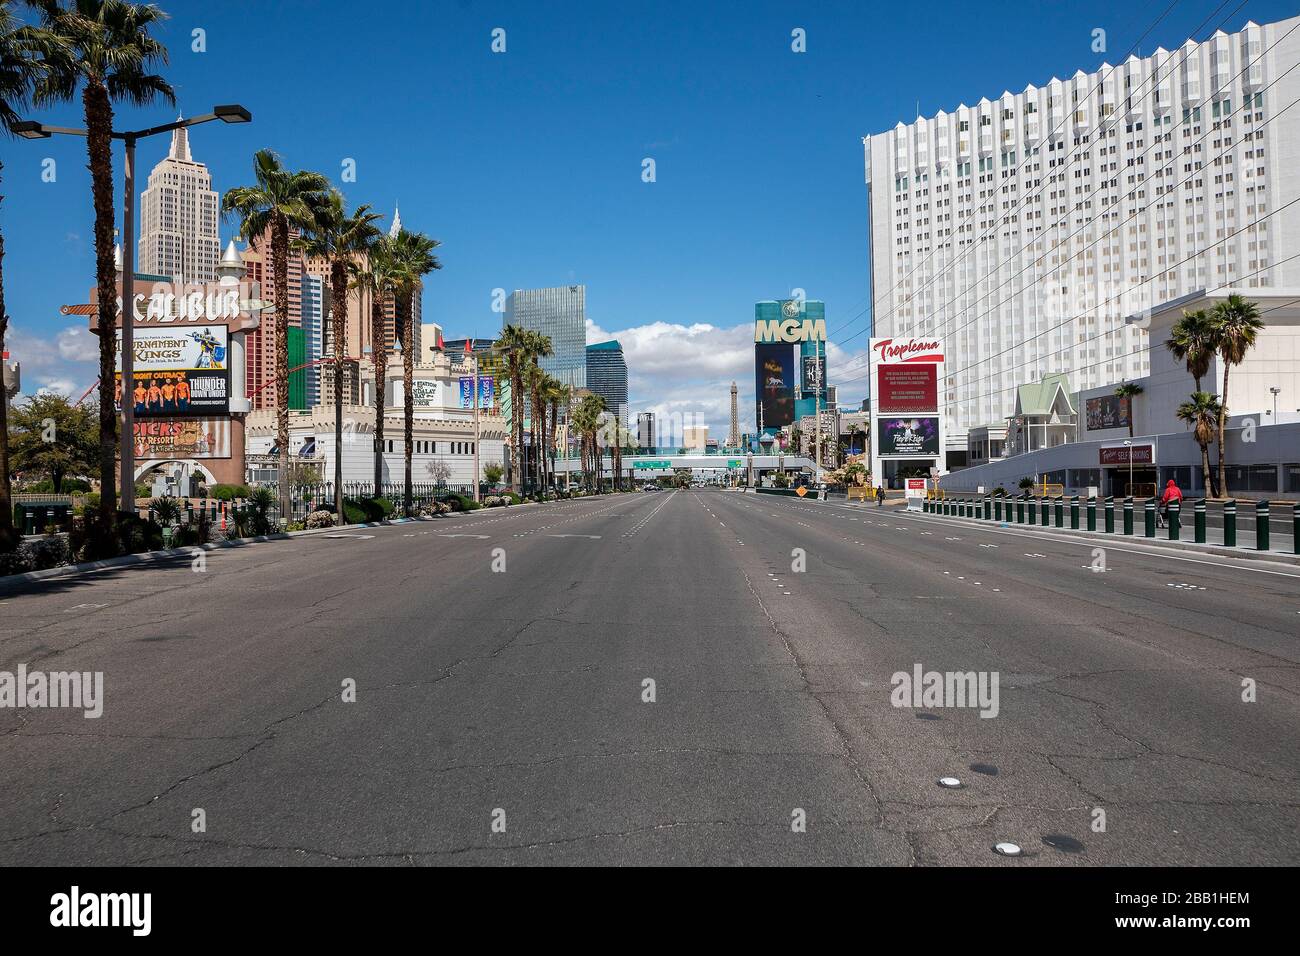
<point x="228" y="492"/>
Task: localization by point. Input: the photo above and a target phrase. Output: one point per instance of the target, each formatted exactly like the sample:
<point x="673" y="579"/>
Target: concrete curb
<point x="11" y="582"/>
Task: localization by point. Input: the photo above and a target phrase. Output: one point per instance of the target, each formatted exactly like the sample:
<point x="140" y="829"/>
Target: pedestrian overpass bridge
<point x="658" y="465"/>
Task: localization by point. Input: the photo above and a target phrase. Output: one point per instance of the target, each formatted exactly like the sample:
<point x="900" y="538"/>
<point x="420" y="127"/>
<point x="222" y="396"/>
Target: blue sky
<point x="527" y="164"/>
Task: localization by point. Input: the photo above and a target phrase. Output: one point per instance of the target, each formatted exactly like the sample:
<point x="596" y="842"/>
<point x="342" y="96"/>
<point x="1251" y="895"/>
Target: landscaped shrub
<point x="16" y="562"/>
<point x="320" y="519"/>
<point x="465" y="504"/>
<point x="228" y="492"/>
<point x="514" y="498"/>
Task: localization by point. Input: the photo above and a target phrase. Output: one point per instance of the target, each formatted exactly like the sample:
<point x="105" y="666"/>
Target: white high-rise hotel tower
<point x="178" y="217"/>
<point x="1023" y="232"/>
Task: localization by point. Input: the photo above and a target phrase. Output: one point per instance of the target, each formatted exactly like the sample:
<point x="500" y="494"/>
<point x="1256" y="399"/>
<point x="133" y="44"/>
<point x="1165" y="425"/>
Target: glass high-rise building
<point x="607" y="376"/>
<point x="560" y="313"/>
<point x="315" y="306"/>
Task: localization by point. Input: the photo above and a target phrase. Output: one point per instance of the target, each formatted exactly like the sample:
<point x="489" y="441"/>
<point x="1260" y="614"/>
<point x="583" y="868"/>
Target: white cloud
<point x="77" y="344"/>
<point x="57" y="386"/>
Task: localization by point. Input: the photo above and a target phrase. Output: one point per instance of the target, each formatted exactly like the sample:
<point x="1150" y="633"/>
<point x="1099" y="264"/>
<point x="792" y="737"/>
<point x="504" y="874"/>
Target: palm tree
<point x="1236" y="325"/>
<point x="1192" y="340"/>
<point x="534" y="378"/>
<point x="338" y="238"/>
<point x="279" y="201"/>
<point x="1129" y="390"/>
<point x="1202" y="415"/>
<point x="521" y="347"/>
<point x="23" y="50"/>
<point x="413" y="259"/>
<point x="105" y="50"/>
<point x="376" y="274"/>
<point x="553" y="393"/>
<point x="514" y="343"/>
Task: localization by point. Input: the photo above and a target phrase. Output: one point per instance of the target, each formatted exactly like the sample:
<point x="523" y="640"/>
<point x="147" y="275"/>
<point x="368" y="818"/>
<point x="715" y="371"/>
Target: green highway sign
<point x="654" y="464"/>
<point x="733" y="462"/>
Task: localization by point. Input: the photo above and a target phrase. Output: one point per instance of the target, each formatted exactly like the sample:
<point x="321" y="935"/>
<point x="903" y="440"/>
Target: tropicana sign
<point x="889" y="351"/>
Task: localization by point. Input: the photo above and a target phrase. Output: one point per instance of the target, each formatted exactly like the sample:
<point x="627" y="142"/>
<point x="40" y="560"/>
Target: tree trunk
<point x="1223" y="424"/>
<point x="1205" y="469"/>
<point x="405" y="304"/>
<point x="516" y="433"/>
<point x="379" y="354"/>
<point x="339" y="302"/>
<point x="280" y="273"/>
<point x="99" y="125"/>
<point x="8" y="537"/>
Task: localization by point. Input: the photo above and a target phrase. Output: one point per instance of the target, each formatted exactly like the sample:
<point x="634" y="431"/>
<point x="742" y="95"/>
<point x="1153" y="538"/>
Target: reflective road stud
<point x="1128" y="515"/>
<point x="1060" y="511"/>
<point x="1074" y="513"/>
<point x="1092" y="514"/>
<point x="1198" y="511"/>
<point x="1230" y="523"/>
<point x="1261" y="526"/>
<point x="1175" y="525"/>
<point x="1110" y="514"/>
<point x="1150" y="518"/>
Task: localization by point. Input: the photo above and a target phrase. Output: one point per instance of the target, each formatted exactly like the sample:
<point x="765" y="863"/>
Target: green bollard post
<point x="1198" y="511"/>
<point x="1110" y="514"/>
<point x="1044" y="513"/>
<point x="1175" y="523"/>
<point x="1074" y="513"/>
<point x="1261" y="526"/>
<point x="1020" y="509"/>
<point x="1060" y="511"/>
<point x="1150" y="518"/>
<point x="1031" y="506"/>
<point x="1092" y="514"/>
<point x="1295" y="528"/>
<point x="1230" y="523"/>
<point x="1128" y="515"/>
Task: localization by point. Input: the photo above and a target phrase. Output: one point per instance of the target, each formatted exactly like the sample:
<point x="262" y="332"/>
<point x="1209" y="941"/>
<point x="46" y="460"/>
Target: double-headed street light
<point x="31" y="129"/>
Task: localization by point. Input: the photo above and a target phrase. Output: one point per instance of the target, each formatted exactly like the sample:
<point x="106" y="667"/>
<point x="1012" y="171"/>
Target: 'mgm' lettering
<point x="790" y="330"/>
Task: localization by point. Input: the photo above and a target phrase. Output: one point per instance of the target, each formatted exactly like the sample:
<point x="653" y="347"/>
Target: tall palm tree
<point x="1129" y="390"/>
<point x="413" y="259"/>
<point x="106" y="51"/>
<point x="23" y="53"/>
<point x="376" y="274"/>
<point x="279" y="201"/>
<point x="534" y="378"/>
<point x="519" y="347"/>
<point x="1202" y="415"/>
<point x="338" y="238"/>
<point x="1236" y="324"/>
<point x="553" y="393"/>
<point x="1192" y="340"/>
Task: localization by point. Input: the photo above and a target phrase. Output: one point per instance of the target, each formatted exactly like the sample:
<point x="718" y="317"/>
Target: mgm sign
<point x="793" y="326"/>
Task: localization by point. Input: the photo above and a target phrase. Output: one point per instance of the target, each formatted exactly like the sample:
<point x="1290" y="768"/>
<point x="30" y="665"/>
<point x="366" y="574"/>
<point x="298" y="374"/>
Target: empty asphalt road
<point x="686" y="677"/>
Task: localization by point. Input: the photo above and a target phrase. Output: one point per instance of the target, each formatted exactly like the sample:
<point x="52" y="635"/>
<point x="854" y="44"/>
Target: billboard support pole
<point x="126" y="448"/>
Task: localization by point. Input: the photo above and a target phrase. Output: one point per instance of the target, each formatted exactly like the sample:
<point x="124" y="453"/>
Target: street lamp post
<point x="31" y="129"/>
<point x="1129" y="445"/>
<point x="1276" y="391"/>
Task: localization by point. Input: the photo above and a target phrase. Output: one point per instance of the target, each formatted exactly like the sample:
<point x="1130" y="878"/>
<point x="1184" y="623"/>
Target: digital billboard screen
<point x="907" y="388"/>
<point x="774" y="383"/>
<point x="181" y="371"/>
<point x="1107" y="411"/>
<point x="908" y="436"/>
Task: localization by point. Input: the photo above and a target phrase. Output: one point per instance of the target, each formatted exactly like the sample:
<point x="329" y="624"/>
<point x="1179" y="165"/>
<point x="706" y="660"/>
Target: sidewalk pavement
<point x="1281" y="549"/>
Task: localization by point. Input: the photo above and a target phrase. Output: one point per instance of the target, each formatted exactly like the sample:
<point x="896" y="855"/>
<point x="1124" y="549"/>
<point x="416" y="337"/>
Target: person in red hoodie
<point x="1172" y="493"/>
